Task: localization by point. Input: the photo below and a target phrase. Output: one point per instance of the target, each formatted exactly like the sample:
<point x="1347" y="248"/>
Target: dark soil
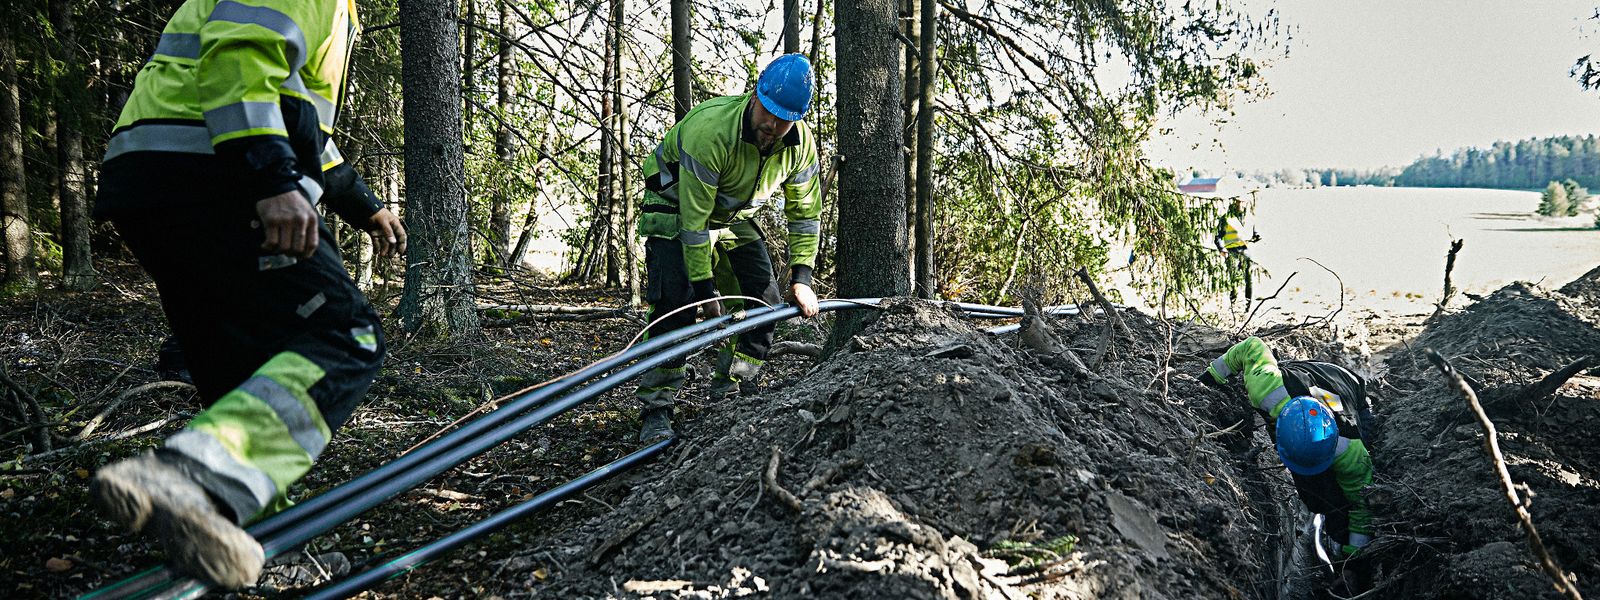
<point x="929" y="459"/>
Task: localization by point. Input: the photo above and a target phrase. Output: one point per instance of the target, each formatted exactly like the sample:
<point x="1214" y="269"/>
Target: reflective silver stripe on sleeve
<point x="206" y="450"/>
<point x="729" y="202"/>
<point x="804" y="175"/>
<point x="179" y="45"/>
<point x="661" y="165"/>
<point x="1360" y="540"/>
<point x="289" y="410"/>
<point x="701" y="172"/>
<point x="194" y="139"/>
<point x="1273" y="398"/>
<point x="229" y="11"/>
<point x="330" y="154"/>
<point x="811" y="226"/>
<point x="312" y="189"/>
<point x="324" y="109"/>
<point x="1344" y="444"/>
<point x="1221" y="367"/>
<point x="694" y="238"/>
<point x="242" y="116"/>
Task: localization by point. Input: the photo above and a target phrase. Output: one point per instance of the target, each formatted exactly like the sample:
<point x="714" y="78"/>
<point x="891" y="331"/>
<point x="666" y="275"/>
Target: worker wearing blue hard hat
<point x="1321" y="422"/>
<point x="704" y="184"/>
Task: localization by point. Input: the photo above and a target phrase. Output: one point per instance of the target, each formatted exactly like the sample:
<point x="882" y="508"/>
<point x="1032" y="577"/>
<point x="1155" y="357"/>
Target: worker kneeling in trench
<point x="1318" y="416"/>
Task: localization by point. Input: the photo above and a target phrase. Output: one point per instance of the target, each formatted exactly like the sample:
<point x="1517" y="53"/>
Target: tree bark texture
<point x="499" y="252"/>
<point x="872" y="255"/>
<point x="15" y="228"/>
<point x="791" y="26"/>
<point x="437" y="300"/>
<point x="928" y="78"/>
<point x="77" y="264"/>
<point x="682" y="44"/>
<point x="621" y="163"/>
<point x="908" y="106"/>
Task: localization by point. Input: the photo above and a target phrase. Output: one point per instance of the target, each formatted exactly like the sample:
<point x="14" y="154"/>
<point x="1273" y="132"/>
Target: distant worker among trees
<point x="704" y="184"/>
<point x="1320" y="420"/>
<point x="1230" y="239"/>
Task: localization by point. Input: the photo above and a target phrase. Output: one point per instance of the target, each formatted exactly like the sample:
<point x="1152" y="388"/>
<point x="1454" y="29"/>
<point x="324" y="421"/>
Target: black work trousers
<point x="233" y="308"/>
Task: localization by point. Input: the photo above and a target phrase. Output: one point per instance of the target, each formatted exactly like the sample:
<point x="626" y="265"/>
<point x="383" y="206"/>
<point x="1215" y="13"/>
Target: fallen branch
<point x="1113" y="321"/>
<point x="610" y="313"/>
<point x="147" y="427"/>
<point x="800" y="348"/>
<point x="1555" y="380"/>
<point x="123" y="397"/>
<point x="771" y="480"/>
<point x="1519" y="504"/>
<point x="548" y="309"/>
<point x="1449" y="288"/>
<point x="26" y="401"/>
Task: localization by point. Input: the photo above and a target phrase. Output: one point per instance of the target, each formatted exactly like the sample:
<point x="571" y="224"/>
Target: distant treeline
<point x="1524" y="164"/>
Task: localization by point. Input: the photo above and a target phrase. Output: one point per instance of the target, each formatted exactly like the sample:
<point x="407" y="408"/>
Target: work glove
<point x="706" y="289"/>
<point x="1207" y="378"/>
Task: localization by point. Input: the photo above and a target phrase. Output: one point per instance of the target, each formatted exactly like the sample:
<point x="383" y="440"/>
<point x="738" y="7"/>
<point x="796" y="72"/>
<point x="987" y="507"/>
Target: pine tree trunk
<point x="469" y="56"/>
<point x="603" y="258"/>
<point x="500" y="207"/>
<point x="77" y="268"/>
<point x="21" y="272"/>
<point x="908" y="106"/>
<point x="438" y="296"/>
<point x="872" y="255"/>
<point x="791" y="26"/>
<point x="682" y="52"/>
<point x="621" y="164"/>
<point x="928" y="78"/>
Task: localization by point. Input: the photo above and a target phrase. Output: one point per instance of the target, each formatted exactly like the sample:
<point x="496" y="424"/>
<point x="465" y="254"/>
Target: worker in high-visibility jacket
<point x="1321" y="422"/>
<point x="704" y="184"/>
<point x="1230" y="239"/>
<point x="211" y="177"/>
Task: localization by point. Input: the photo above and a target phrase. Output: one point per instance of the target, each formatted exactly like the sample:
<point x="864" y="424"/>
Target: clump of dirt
<point x="932" y="460"/>
<point x="1446" y="528"/>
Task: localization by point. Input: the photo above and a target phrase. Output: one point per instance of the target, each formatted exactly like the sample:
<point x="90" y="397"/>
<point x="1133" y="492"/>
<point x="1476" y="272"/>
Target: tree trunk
<point x="469" y="59"/>
<point x="500" y="208"/>
<point x="530" y="224"/>
<point x="816" y="33"/>
<point x="77" y="265"/>
<point x="620" y="163"/>
<point x="908" y="106"/>
<point x="928" y="78"/>
<point x="872" y="258"/>
<point x="604" y="255"/>
<point x="791" y="26"/>
<point x="21" y="272"/>
<point x="437" y="301"/>
<point x="682" y="90"/>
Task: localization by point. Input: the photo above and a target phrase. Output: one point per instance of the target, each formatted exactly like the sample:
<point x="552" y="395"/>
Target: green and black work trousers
<point x="667" y="288"/>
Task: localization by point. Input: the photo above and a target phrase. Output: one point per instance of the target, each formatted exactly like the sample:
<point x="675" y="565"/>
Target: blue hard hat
<point x="1307" y="436"/>
<point x="785" y="87"/>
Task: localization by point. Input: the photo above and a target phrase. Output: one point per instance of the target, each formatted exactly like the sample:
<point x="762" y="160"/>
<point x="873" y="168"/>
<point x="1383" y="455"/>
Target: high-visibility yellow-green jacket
<point x="1228" y="234"/>
<point x="238" y="104"/>
<point x="1270" y="392"/>
<point x="707" y="174"/>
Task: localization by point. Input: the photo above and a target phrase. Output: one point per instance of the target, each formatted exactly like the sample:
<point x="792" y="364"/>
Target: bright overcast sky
<point x="1370" y="83"/>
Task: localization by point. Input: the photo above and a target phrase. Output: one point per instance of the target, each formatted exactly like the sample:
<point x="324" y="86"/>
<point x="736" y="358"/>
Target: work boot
<point x="657" y="425"/>
<point x="721" y="387"/>
<point x="146" y="493"/>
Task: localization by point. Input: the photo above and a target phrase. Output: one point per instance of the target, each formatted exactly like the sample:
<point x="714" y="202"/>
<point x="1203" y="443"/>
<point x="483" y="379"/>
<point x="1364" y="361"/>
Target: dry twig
<point x="1519" y="503"/>
<point x="123" y="397"/>
<point x="1449" y="288"/>
<point x="1113" y="320"/>
<point x="771" y="479"/>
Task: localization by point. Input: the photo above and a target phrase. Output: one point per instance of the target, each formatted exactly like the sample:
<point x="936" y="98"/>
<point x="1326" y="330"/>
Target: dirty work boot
<point x="145" y="492"/>
<point x="721" y="387"/>
<point x="657" y="425"/>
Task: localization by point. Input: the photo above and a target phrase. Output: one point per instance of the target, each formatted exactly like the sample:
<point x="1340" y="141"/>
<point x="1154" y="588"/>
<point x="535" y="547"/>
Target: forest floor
<point x="928" y="459"/>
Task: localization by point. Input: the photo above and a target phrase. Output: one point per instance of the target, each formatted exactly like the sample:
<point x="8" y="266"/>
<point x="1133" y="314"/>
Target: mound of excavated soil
<point x="932" y="460"/>
<point x="1447" y="530"/>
